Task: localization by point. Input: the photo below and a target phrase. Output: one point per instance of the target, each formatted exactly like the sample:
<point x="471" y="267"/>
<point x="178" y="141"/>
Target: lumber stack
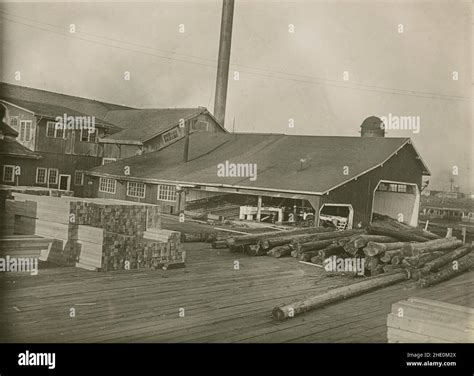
<point x="98" y="234"/>
<point x="418" y="320"/>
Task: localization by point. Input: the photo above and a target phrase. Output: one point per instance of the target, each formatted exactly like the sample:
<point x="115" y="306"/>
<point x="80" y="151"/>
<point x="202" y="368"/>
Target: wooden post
<point x="463" y="231"/>
<point x="259" y="208"/>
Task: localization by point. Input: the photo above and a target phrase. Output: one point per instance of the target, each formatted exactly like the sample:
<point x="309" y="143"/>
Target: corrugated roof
<point x="12" y="148"/>
<point x="278" y="159"/>
<point x="143" y="124"/>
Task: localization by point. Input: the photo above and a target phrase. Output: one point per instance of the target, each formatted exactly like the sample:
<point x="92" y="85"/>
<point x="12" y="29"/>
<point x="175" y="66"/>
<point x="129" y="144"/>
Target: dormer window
<point x="170" y="136"/>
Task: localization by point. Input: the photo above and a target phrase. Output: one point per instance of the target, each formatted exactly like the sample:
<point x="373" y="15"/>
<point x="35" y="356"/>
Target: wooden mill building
<point x="351" y="177"/>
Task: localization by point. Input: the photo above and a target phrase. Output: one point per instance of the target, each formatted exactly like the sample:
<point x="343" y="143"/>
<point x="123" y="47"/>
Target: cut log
<point x="438" y="263"/>
<point x="391" y="222"/>
<point x="449" y="271"/>
<point x="332" y="250"/>
<point x="360" y="241"/>
<point x="381" y="228"/>
<point x="418" y="261"/>
<point x="312" y="246"/>
<point x="374" y="248"/>
<point x="396" y="260"/>
<point x="414" y="249"/>
<point x="387" y="256"/>
<point x="281" y="251"/>
<point x="392" y="268"/>
<point x="268" y="243"/>
<point x="317" y="260"/>
<point x="341" y="293"/>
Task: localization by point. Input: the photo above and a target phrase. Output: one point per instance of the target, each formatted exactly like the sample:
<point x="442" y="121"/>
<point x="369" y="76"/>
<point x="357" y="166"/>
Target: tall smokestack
<point x="223" y="60"/>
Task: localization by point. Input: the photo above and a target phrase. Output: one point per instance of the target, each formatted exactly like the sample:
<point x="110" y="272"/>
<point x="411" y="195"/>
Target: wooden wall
<point x="402" y="167"/>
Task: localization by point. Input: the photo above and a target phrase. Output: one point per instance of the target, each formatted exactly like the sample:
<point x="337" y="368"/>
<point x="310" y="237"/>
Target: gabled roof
<point x="139" y="124"/>
<point x="99" y="109"/>
<point x="11" y="148"/>
<point x="144" y="124"/>
<point x="278" y="159"/>
<point x="52" y="111"/>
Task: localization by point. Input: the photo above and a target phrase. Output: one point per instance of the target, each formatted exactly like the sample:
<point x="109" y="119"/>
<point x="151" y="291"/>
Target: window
<point x="9" y="173"/>
<point x="167" y="192"/>
<point x="170" y="136"/>
<point x="107" y="185"/>
<point x="53" y="176"/>
<point x="135" y="189"/>
<point x="25" y="130"/>
<point x="383" y="187"/>
<point x="59" y="132"/>
<point x="41" y="175"/>
<point x="108" y="160"/>
<point x="78" y="178"/>
<point x="14" y="122"/>
<point x="402" y="188"/>
<point x="50" y="127"/>
<point x="88" y="136"/>
<point x="392" y="187"/>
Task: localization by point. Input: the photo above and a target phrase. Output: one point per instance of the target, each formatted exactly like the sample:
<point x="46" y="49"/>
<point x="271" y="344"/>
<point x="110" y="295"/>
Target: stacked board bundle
<point x="106" y="250"/>
<point x="99" y="234"/>
<point x="418" y="320"/>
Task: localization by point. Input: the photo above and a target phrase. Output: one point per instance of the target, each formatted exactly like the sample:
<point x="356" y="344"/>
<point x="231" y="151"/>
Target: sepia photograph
<point x="237" y="171"/>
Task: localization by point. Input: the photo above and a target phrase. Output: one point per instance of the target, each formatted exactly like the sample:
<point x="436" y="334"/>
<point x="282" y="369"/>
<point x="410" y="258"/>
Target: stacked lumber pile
<point x="418" y="320"/>
<point x="98" y="234"/>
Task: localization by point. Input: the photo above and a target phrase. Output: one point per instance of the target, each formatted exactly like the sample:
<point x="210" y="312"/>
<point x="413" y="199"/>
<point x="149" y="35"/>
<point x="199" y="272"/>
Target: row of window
<point x="135" y="189"/>
<point x="43" y="175"/>
<point x="173" y="134"/>
<point x="58" y="132"/>
<point x="393" y="187"/>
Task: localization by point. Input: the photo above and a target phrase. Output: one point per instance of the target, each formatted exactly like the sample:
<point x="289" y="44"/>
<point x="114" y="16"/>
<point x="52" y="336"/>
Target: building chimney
<point x="223" y="60"/>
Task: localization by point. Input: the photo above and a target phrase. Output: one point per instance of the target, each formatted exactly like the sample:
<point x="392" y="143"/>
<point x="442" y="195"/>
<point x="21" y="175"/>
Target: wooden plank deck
<point x="220" y="304"/>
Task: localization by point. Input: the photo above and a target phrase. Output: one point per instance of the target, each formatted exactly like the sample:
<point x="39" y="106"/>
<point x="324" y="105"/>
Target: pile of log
<point x="261" y="244"/>
<point x="419" y="320"/>
<point x="392" y="252"/>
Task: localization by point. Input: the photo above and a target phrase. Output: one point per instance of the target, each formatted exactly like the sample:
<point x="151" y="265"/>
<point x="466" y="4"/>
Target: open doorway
<point x="339" y="216"/>
<point x="64" y="182"/>
<point x="398" y="200"/>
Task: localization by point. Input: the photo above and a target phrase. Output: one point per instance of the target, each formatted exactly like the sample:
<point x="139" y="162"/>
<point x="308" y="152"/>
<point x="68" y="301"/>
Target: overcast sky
<point x="282" y="75"/>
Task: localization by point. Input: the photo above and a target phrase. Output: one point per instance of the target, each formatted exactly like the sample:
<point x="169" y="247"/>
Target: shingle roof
<point x="277" y="158"/>
<point x="12" y="148"/>
<point x="143" y="124"/>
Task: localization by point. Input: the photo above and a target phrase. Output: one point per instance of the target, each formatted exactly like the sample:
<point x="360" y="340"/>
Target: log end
<point x="280" y="313"/>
